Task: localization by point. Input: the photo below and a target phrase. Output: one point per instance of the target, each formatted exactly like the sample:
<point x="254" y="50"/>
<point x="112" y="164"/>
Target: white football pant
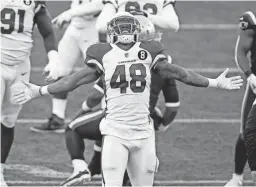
<point x="138" y="156"/>
<point x="11" y="81"/>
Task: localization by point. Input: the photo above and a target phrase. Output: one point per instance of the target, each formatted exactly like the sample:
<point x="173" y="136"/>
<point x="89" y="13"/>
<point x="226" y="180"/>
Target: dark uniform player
<point x="246" y="43"/>
<point x="86" y="124"/>
<point x="250" y="129"/>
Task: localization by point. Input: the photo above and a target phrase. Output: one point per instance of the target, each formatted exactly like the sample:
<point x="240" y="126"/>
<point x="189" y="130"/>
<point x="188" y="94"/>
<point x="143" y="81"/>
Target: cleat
<point x="54" y="124"/>
<point x="237" y="180"/>
<point x="78" y="178"/>
<point x="95" y="164"/>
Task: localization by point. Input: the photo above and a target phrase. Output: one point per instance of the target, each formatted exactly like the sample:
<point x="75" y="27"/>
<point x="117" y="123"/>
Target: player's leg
<point x="69" y="54"/>
<point x="250" y="140"/>
<point x="10" y="111"/>
<point x="240" y="154"/>
<point x="95" y="163"/>
<point x="143" y="163"/>
<point x="113" y="167"/>
<point x="83" y="127"/>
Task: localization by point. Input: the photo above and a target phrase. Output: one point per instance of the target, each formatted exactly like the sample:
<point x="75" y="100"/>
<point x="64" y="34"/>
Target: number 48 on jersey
<point x="137" y="73"/>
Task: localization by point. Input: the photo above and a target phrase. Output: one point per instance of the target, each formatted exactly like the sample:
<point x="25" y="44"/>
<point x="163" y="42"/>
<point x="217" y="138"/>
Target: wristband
<point x="213" y="83"/>
<point x="248" y="73"/>
<point x="43" y="90"/>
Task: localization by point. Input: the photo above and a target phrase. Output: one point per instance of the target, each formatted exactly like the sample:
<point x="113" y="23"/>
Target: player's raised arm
<point x="43" y="21"/>
<point x="194" y="79"/>
<point x="168" y="19"/>
<point x="84" y="9"/>
<point x="107" y="13"/>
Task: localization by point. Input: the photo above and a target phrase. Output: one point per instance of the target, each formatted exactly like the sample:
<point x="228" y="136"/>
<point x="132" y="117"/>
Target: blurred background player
<point x="18" y="19"/>
<point x="86" y="124"/>
<point x="248" y="35"/>
<point x="246" y="42"/>
<point x="78" y="36"/>
<point x="160" y="12"/>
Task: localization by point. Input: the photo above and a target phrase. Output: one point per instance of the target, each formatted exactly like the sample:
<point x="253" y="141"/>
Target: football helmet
<point x="123" y="28"/>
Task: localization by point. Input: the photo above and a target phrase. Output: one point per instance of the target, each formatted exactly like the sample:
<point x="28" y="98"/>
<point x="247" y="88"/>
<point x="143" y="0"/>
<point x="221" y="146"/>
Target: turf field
<point x="197" y="150"/>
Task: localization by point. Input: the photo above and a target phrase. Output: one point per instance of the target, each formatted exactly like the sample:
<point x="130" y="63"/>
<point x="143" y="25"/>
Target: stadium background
<point x="196" y="150"/>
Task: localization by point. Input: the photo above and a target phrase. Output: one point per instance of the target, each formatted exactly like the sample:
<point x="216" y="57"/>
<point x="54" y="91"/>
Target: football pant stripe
<point x="243" y="106"/>
<point x="86" y="118"/>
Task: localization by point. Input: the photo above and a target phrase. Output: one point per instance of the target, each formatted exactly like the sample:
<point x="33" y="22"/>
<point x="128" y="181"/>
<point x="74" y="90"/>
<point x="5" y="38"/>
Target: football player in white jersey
<point x="17" y="22"/>
<point x="161" y="12"/>
<point x="125" y="66"/>
<point x="79" y="35"/>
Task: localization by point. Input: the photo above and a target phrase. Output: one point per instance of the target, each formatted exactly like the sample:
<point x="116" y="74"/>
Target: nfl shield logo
<point x="126" y="55"/>
<point x="27" y="2"/>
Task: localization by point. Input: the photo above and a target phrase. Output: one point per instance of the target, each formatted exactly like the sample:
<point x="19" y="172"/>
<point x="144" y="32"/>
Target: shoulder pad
<point x="247" y="21"/>
<point x="152" y="46"/>
<point x="98" y="50"/>
<point x="113" y="2"/>
<point x="168" y="2"/>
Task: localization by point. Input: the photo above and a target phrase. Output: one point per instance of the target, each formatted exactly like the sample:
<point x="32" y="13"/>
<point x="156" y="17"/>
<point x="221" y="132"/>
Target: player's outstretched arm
<point x="192" y="78"/>
<point x="66" y="84"/>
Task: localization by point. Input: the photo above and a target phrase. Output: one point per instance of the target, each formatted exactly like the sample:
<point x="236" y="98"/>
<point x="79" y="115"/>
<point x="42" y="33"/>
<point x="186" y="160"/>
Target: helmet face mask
<point x="123" y="29"/>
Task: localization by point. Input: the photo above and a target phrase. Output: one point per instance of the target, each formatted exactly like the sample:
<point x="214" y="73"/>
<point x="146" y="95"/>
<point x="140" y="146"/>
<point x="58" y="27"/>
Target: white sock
<point x="79" y="165"/>
<point x="97" y="148"/>
<point x="239" y="177"/>
<point x="59" y="107"/>
<point x="2" y="168"/>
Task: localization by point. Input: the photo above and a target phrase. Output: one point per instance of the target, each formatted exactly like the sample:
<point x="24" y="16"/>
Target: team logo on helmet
<point x="27" y="2"/>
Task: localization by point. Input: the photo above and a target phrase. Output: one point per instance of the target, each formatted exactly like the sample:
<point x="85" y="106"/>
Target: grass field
<point x="197" y="150"/>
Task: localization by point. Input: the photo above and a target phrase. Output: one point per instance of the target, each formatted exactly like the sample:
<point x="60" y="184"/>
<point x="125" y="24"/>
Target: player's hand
<point x="63" y="18"/>
<point x="51" y="70"/>
<point x="231" y="83"/>
<point x="252" y="82"/>
<point x="30" y="92"/>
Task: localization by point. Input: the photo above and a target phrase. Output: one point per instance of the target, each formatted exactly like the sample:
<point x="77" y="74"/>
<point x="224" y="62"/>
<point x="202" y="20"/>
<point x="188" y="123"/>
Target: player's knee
<point x="152" y="164"/>
<point x="8" y="122"/>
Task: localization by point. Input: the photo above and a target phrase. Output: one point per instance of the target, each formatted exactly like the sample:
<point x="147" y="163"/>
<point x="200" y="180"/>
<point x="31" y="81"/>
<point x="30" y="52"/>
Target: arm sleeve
<point x="170" y="93"/>
<point x="43" y="20"/>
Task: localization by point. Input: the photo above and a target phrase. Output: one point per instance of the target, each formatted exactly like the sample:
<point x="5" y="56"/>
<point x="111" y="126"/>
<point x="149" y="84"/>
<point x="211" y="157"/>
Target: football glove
<point x="231" y="83"/>
<point x="63" y="18"/>
<point x="157" y="116"/>
<point x="252" y="82"/>
<point x="30" y="92"/>
<point x="52" y="68"/>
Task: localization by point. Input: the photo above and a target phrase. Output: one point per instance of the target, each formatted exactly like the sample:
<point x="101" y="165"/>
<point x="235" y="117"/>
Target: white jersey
<point x="83" y="21"/>
<point x="126" y="82"/>
<point x="17" y="22"/>
<point x="152" y="6"/>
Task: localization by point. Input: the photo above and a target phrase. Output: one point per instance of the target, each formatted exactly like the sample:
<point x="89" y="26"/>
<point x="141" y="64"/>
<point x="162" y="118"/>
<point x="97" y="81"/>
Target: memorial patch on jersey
<point x="142" y="54"/>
